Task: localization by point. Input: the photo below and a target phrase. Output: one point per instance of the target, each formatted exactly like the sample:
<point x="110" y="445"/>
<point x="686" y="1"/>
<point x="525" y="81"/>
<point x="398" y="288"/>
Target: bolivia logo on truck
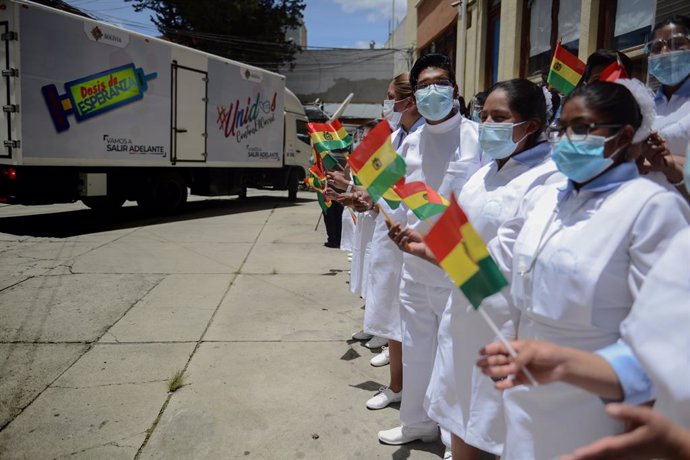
<point x="96" y="94"/>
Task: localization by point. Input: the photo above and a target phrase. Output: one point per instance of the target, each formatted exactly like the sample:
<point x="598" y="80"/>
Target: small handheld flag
<point x="461" y="252"/>
<point x="376" y="163"/>
<point x="422" y="200"/>
<point x="613" y="72"/>
<point x="327" y="137"/>
<point x="566" y="70"/>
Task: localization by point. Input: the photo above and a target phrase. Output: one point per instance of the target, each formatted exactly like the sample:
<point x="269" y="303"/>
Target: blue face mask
<point x="581" y="161"/>
<point x="434" y="102"/>
<point x="475" y="117"/>
<point x="670" y="68"/>
<point x="496" y="139"/>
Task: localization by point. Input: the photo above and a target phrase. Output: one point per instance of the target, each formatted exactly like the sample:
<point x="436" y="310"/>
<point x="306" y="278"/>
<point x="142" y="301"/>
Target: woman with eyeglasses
<point x="577" y="256"/>
<point x="382" y="315"/>
<point x="511" y="135"/>
<point x="669" y="63"/>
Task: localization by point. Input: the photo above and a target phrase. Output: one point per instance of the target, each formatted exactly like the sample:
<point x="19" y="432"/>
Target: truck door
<point x="7" y="90"/>
<point x="190" y="97"/>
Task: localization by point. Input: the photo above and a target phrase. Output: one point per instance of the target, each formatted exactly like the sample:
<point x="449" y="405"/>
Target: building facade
<point x="494" y="40"/>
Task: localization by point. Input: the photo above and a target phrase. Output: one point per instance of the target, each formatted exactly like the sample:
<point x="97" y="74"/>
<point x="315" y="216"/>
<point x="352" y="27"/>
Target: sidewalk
<point x="249" y="304"/>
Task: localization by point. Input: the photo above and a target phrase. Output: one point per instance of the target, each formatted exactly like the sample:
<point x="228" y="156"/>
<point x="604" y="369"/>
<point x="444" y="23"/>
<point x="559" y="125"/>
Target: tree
<point x="250" y="31"/>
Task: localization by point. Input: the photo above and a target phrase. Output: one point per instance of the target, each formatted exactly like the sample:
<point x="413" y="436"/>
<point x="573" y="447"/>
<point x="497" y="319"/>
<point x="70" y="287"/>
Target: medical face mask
<point x="582" y="160"/>
<point x="390" y="114"/>
<point x="475" y="117"/>
<point x="496" y="139"/>
<point x="434" y="102"/>
<point x="670" y="68"/>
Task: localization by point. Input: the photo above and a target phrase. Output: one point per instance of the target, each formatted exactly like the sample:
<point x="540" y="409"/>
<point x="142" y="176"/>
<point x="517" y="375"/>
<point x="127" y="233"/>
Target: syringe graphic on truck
<point x="96" y="94"/>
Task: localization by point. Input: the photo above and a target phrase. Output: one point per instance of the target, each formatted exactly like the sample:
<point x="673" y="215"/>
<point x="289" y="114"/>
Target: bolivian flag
<point x="421" y="199"/>
<point x="318" y="186"/>
<point x="327" y="137"/>
<point x="375" y="162"/>
<point x="317" y="170"/>
<point x="463" y="255"/>
<point x="566" y="70"/>
<point x="613" y="72"/>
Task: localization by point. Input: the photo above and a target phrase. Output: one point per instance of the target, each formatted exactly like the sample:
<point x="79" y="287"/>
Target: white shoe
<point x="403" y="435"/>
<point x="361" y="335"/>
<point x="376" y="342"/>
<point x="383" y="398"/>
<point x="381" y="359"/>
<point x="448" y="455"/>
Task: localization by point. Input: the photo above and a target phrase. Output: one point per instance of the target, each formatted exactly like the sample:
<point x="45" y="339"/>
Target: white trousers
<point x="422" y="307"/>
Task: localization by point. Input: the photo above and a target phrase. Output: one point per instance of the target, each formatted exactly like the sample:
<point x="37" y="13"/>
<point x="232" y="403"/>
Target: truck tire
<point x="103" y="203"/>
<point x="293" y="184"/>
<point x="165" y="193"/>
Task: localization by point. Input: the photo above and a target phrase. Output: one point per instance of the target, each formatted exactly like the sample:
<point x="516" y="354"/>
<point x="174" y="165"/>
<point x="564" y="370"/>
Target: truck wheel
<point x="293" y="184"/>
<point x="103" y="203"/>
<point x="165" y="193"/>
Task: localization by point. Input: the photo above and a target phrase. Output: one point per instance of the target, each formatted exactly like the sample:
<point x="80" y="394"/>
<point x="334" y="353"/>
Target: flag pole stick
<point x="511" y="350"/>
<point x="318" y="221"/>
<point x="386" y="216"/>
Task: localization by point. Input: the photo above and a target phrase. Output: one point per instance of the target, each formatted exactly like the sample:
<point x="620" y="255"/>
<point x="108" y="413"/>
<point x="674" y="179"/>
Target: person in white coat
<point x="577" y="256"/>
<point x="669" y="63"/>
<point x="513" y="118"/>
<point x="655" y="330"/>
<point x="443" y="153"/>
<point x="382" y="315"/>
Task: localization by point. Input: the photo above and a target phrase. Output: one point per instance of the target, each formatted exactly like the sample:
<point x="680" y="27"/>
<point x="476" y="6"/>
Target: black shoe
<point x="328" y="244"/>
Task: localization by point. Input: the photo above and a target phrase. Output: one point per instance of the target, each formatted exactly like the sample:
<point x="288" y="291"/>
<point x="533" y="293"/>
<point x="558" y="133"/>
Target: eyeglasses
<point x="575" y="132"/>
<point x="675" y="43"/>
<point x="437" y="83"/>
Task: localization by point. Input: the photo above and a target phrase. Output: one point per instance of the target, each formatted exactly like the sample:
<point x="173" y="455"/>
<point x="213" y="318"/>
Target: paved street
<point x="97" y="313"/>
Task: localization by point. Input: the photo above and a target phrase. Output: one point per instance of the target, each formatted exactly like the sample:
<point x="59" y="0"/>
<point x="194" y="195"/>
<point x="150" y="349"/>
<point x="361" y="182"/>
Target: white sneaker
<point x="403" y="435"/>
<point x="383" y="398"/>
<point x="376" y="342"/>
<point x="448" y="455"/>
<point x="381" y="359"/>
<point x="361" y="335"/>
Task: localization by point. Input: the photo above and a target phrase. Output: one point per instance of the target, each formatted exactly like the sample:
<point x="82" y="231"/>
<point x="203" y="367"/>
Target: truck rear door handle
<point x="180" y="130"/>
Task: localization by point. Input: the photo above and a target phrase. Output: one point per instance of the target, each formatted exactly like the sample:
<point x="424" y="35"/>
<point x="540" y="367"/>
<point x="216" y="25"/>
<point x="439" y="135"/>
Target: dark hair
<point x="463" y="107"/>
<point x="676" y="20"/>
<point x="527" y="100"/>
<point x="431" y="60"/>
<point x="606" y="57"/>
<point x="612" y="101"/>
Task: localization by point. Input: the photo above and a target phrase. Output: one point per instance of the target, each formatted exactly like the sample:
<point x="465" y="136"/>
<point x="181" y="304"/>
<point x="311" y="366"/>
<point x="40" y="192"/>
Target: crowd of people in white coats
<point x="583" y="204"/>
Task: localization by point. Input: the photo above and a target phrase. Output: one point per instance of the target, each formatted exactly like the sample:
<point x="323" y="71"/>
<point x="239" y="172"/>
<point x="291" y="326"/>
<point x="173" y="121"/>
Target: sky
<point x="330" y="23"/>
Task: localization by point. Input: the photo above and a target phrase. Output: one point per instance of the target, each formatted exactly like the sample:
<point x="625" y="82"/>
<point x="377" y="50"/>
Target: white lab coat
<point x="382" y="314"/>
<point x="347" y="233"/>
<point x="577" y="264"/>
<point x="459" y="397"/>
<point x="657" y="329"/>
<point x="443" y="156"/>
<point x="673" y="118"/>
<point x="364" y="231"/>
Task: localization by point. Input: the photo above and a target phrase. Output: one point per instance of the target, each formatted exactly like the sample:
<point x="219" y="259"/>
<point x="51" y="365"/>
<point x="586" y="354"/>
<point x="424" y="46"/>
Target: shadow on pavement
<point x="73" y="223"/>
<point x="405" y="451"/>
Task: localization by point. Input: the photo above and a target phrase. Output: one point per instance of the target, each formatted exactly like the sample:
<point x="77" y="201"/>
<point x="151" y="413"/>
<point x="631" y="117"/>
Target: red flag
<point x="613" y="72"/>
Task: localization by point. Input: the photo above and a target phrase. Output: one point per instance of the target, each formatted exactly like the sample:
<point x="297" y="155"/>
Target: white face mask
<point x="390" y="114"/>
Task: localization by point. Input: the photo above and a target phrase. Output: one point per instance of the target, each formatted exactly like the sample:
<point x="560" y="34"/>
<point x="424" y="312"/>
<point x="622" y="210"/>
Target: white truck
<point x="100" y="114"/>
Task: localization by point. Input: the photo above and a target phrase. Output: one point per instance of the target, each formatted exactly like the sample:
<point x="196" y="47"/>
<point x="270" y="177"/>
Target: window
<point x="626" y="23"/>
<point x="492" y="44"/>
<point x="302" y="131"/>
<point x="548" y="22"/>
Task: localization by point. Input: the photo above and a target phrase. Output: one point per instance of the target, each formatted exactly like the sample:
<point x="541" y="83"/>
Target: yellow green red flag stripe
<point x="329" y="136"/>
<point x="421" y="199"/>
<point x="461" y="252"/>
<point x="376" y="163"/>
<point x="566" y="70"/>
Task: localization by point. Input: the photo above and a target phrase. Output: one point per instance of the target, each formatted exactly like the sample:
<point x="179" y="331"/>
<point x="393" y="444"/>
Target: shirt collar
<point x="610" y="180"/>
<point x="683" y="91"/>
<point x="534" y="156"/>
